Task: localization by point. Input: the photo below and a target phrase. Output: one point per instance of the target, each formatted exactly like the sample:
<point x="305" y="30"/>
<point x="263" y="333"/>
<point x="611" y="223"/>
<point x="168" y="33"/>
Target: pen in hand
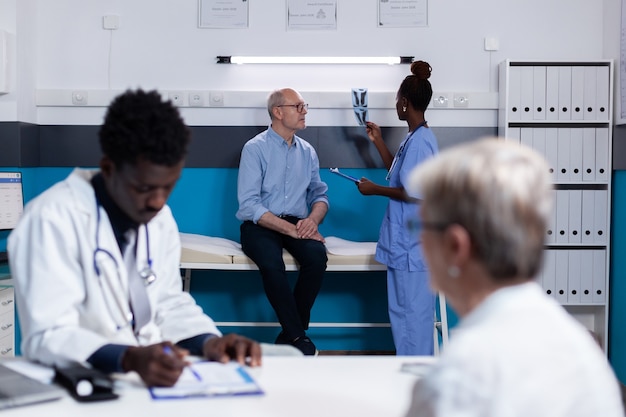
<point x="168" y="351"/>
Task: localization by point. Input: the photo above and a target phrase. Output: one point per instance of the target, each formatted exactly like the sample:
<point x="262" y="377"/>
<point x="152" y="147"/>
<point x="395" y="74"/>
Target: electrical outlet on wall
<point x="80" y="98"/>
<point x="177" y="97"/>
<point x="196" y="98"/>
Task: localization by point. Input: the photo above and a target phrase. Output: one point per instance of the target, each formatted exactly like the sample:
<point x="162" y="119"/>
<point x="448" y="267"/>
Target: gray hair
<point x="276" y="98"/>
<point x="500" y="192"/>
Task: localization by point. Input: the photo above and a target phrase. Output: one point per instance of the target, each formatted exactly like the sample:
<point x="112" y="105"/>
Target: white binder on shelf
<point x="526" y="95"/>
<point x="562" y="216"/>
<point x="552" y="153"/>
<point x="578" y="98"/>
<point x="602" y="91"/>
<point x="589" y="154"/>
<point x="563" y="154"/>
<point x="515" y="91"/>
<point x="573" y="279"/>
<point x="539" y="93"/>
<point x="548" y="273"/>
<point x="575" y="216"/>
<point x="598" y="292"/>
<point x="590" y="93"/>
<point x="513" y="134"/>
<point x="587" y="225"/>
<point x="576" y="155"/>
<point x="561" y="273"/>
<point x="565" y="93"/>
<point x="539" y="140"/>
<point x="551" y="231"/>
<point x="602" y="154"/>
<point x="586" y="276"/>
<point x="552" y="93"/>
<point x="600" y="214"/>
<point x="526" y="136"/>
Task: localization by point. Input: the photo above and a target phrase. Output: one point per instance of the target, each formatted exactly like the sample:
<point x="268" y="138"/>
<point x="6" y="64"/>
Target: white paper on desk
<point x="338" y="246"/>
<point x="213" y="379"/>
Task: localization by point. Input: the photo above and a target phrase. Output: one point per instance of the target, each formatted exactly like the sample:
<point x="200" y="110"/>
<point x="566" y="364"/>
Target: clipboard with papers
<point x="346" y="176"/>
<point x="210" y="379"/>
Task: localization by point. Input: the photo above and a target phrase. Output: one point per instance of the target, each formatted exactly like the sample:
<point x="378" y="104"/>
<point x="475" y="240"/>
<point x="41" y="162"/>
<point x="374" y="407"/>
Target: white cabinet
<point x="7" y="321"/>
<point x="563" y="111"/>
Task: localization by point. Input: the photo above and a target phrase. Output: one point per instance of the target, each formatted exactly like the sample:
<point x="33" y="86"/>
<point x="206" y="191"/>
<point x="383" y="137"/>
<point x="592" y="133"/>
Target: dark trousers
<point x="265" y="248"/>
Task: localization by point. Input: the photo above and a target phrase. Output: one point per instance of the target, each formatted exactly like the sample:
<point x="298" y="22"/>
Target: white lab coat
<point x="66" y="310"/>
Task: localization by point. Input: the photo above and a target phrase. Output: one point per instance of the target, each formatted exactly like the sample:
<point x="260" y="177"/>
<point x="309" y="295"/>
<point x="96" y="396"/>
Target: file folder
<point x="599" y="277"/>
<point x="563" y="154"/>
<point x="526" y="136"/>
<point x="602" y="154"/>
<point x="551" y="231"/>
<point x="561" y="273"/>
<point x="602" y="91"/>
<point x="600" y="215"/>
<point x="587" y="225"/>
<point x="586" y="276"/>
<point x="562" y="216"/>
<point x="575" y="217"/>
<point x="578" y="86"/>
<point x="589" y="154"/>
<point x="590" y="93"/>
<point x="565" y="93"/>
<point x="526" y="95"/>
<point x="573" y="279"/>
<point x="548" y="273"/>
<point x="515" y="91"/>
<point x="539" y="93"/>
<point x="552" y="93"/>
<point x="539" y="140"/>
<point x="552" y="151"/>
<point x="576" y="155"/>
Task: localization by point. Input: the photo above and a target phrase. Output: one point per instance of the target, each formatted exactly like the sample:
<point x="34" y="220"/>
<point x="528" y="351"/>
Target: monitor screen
<point x="11" y="199"/>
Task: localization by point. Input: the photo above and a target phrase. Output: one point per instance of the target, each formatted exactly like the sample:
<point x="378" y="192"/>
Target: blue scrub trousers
<point x="411" y="311"/>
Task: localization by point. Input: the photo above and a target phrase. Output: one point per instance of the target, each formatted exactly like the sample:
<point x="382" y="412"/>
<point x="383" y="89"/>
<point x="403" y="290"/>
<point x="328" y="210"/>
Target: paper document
<point x="346" y="176"/>
<point x="206" y="379"/>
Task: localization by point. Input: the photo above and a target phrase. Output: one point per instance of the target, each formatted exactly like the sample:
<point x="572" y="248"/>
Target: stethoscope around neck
<point x="147" y="274"/>
<point x="399" y="153"/>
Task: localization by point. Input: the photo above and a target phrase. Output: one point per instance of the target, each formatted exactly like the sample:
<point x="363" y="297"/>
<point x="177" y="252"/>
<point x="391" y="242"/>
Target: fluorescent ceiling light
<point x="390" y="60"/>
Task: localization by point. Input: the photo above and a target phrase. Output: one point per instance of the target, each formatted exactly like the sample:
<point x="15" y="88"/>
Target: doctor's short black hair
<point x="139" y="124"/>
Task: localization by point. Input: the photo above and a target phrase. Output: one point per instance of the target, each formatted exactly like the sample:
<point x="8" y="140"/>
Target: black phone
<point x="85" y="384"/>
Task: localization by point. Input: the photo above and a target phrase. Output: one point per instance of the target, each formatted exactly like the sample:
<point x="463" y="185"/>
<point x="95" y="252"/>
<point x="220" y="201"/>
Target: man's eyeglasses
<point x="300" y="107"/>
<point x="417" y="225"/>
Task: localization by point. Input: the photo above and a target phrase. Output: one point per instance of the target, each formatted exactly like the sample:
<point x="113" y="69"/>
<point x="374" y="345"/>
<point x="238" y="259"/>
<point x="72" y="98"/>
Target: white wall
<point x="160" y="46"/>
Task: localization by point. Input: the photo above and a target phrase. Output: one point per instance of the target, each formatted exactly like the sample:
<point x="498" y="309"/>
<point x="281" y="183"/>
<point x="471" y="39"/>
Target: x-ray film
<point x="359" y="103"/>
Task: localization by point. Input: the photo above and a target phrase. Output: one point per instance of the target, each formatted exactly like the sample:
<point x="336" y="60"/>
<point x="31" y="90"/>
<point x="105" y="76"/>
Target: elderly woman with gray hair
<point x="515" y="352"/>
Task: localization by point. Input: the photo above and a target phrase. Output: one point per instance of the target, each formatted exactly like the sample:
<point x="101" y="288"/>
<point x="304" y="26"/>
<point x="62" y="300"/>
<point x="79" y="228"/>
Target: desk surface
<point x="294" y="386"/>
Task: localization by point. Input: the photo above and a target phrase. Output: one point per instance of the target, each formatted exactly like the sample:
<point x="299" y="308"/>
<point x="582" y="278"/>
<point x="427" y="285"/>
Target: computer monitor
<point x="11" y="199"/>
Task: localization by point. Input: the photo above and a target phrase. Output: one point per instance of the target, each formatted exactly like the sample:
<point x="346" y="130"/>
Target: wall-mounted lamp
<point x="390" y="60"/>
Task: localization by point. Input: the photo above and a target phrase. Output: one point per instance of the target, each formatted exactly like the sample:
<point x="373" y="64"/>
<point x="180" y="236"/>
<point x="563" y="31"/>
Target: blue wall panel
<point x="204" y="201"/>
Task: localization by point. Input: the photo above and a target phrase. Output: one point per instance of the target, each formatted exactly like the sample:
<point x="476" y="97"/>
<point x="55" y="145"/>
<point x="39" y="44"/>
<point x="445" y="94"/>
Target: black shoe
<point x="281" y="339"/>
<point x="305" y="345"/>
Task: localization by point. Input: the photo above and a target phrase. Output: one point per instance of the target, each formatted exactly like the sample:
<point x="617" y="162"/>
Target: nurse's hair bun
<point x="421" y="70"/>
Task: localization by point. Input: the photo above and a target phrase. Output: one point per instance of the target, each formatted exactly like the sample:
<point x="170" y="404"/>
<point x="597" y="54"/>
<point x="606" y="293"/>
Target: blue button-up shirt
<point x="278" y="178"/>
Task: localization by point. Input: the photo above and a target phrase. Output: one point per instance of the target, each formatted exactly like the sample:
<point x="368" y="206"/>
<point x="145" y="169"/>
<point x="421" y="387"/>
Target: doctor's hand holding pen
<point x="158" y="365"/>
<point x="162" y="364"/>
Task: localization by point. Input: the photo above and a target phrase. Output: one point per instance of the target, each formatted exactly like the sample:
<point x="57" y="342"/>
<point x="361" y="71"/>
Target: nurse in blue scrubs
<point x="411" y="301"/>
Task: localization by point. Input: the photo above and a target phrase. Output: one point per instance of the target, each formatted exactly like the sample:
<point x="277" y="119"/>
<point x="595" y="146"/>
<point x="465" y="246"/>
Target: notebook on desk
<point x="17" y="389"/>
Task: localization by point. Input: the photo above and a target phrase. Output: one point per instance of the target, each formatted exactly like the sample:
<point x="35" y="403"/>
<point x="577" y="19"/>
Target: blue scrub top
<point x="397" y="247"/>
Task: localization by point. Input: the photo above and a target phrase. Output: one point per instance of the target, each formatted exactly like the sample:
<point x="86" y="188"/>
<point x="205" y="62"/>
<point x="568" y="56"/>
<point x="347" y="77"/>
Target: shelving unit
<point x="7" y="321"/>
<point x="564" y="111"/>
